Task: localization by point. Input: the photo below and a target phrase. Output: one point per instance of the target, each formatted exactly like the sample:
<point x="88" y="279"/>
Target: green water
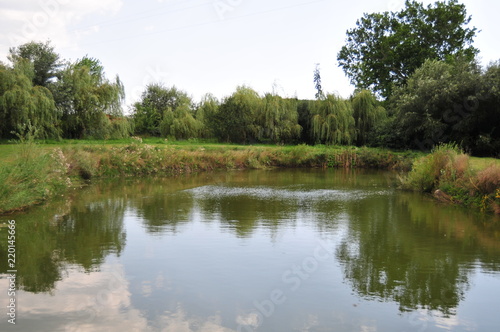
<point x="279" y="250"/>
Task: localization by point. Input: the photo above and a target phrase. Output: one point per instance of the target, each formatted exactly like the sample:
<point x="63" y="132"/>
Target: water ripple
<point x="284" y="193"/>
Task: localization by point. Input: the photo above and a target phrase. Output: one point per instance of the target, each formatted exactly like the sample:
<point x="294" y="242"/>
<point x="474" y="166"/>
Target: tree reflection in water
<point x="418" y="254"/>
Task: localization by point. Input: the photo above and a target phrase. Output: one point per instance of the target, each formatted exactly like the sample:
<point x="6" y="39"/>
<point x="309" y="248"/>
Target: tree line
<point x="62" y="99"/>
<point x="418" y="84"/>
<point x="246" y="117"/>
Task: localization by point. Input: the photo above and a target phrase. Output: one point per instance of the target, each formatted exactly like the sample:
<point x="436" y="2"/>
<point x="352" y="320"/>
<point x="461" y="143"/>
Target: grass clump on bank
<point x="31" y="178"/>
<point x="447" y="174"/>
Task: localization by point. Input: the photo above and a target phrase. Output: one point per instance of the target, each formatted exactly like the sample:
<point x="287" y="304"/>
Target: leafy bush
<point x="429" y="171"/>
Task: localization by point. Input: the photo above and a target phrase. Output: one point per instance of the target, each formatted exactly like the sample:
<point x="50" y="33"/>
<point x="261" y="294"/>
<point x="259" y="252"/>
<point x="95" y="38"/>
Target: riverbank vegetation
<point x="37" y="173"/>
<point x="34" y="173"/>
<point x="450" y="176"/>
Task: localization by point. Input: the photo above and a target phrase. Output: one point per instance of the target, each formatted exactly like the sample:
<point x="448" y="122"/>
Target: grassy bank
<point x="33" y="173"/>
<point x="453" y="177"/>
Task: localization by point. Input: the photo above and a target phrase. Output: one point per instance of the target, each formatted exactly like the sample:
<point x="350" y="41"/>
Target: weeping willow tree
<point x="21" y="103"/>
<point x="88" y="100"/>
<point x="205" y="113"/>
<point x="180" y="123"/>
<point x="166" y="112"/>
<point x="332" y="121"/>
<point x="278" y="119"/>
<point x="235" y="121"/>
<point x="367" y="114"/>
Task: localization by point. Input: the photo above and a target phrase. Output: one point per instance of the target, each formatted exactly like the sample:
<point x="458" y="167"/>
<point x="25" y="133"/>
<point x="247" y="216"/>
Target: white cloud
<point x="40" y="20"/>
<point x="93" y="300"/>
<point x="101" y="301"/>
<point x="178" y="322"/>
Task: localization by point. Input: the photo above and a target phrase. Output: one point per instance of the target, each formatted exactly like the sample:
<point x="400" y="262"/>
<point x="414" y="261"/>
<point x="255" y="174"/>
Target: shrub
<point x="439" y="166"/>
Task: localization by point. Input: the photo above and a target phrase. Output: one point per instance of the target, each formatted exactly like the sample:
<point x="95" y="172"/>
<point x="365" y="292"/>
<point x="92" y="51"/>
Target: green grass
<point x="479" y="164"/>
<point x="32" y="177"/>
<point x="7" y="152"/>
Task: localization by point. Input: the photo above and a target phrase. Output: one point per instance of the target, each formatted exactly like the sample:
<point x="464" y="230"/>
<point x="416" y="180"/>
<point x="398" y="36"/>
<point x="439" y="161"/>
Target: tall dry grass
<point x="487" y="181"/>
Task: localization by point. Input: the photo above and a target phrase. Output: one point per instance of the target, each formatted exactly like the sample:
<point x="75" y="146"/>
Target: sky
<point x="212" y="46"/>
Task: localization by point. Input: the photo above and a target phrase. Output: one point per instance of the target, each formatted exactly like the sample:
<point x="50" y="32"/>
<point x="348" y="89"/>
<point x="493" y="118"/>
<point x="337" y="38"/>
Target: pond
<point x="264" y="250"/>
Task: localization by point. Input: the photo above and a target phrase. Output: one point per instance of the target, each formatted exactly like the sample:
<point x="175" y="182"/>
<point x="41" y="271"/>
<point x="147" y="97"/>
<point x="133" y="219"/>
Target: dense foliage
<point x="246" y="117"/>
<point x="386" y="48"/>
<point x="165" y="112"/>
<point x="450" y="102"/>
<point x="56" y="99"/>
<point x="22" y="104"/>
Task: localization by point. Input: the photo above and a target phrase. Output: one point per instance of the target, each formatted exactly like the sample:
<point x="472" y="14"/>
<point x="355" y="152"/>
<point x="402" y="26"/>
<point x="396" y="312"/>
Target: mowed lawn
<point x="478" y="164"/>
<point x="8" y="151"/>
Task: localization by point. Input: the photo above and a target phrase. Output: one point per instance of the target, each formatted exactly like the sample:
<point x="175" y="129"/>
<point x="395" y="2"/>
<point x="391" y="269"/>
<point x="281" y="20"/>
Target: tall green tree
<point x="317" y="83"/>
<point x="332" y="121"/>
<point x="166" y="112"/>
<point x="433" y="107"/>
<point x="180" y="123"/>
<point x="87" y="100"/>
<point x="483" y="125"/>
<point x="367" y="113"/>
<point x="205" y="114"/>
<point x="386" y="48"/>
<point x="235" y="120"/>
<point x="46" y="62"/>
<point x="23" y="105"/>
<point x="278" y="119"/>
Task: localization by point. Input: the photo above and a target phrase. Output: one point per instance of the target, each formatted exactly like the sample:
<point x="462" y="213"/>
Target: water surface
<point x="280" y="250"/>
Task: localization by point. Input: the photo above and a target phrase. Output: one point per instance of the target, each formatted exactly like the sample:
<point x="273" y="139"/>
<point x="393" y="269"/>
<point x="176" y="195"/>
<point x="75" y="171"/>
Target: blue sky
<point x="212" y="46"/>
